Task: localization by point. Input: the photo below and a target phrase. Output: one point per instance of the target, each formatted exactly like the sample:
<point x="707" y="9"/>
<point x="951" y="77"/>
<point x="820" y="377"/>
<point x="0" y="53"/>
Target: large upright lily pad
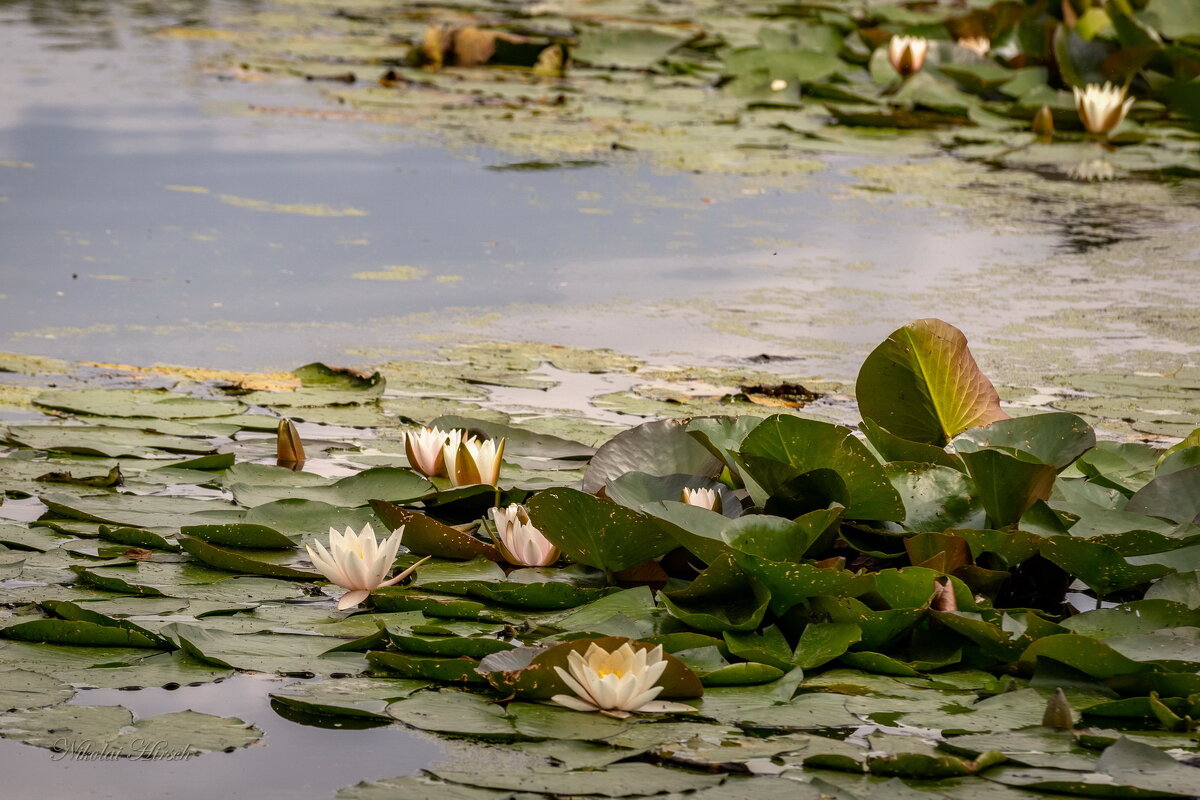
<point x="923" y="384"/>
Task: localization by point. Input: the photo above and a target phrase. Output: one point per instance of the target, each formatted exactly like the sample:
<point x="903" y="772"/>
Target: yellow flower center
<point x="604" y="672"/>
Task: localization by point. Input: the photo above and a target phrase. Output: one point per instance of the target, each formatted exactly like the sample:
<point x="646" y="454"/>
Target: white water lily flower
<point x="705" y="498"/>
<point x="621" y="681"/>
<point x="979" y="45"/>
<point x="1101" y="108"/>
<point x="519" y="541"/>
<point x="357" y="562"/>
<point x="472" y="461"/>
<point x="907" y="54"/>
<point x="425" y="449"/>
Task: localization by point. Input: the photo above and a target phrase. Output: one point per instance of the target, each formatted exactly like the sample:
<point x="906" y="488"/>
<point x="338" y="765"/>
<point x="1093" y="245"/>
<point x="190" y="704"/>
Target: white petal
<point x="576" y="686"/>
<point x="572" y="703"/>
<point x="352" y="598"/>
<point x="637" y="702"/>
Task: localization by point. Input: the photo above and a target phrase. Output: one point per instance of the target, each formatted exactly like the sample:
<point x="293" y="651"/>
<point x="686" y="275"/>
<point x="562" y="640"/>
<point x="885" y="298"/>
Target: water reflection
<point x="292" y="759"/>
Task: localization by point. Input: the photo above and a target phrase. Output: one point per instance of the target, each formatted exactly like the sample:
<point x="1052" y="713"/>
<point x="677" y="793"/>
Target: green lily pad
<point x="454" y="713"/>
<point x="427" y="536"/>
<point x="347" y="697"/>
<point x="380" y="483"/>
<point x="597" y="532"/>
<point x="923" y="384"/>
<point x="112" y="731"/>
<point x="22" y="689"/>
<point x="157" y="403"/>
<point x="245" y="562"/>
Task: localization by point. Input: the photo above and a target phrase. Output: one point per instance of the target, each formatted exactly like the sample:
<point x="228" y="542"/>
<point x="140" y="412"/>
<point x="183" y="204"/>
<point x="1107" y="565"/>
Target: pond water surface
<point x="148" y="216"/>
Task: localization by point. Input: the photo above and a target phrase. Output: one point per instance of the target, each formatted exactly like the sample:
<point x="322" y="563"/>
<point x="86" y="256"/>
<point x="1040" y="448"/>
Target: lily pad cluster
<point x="744" y="87"/>
<point x="944" y="601"/>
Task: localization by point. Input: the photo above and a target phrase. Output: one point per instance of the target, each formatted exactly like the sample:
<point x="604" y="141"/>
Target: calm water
<point x="291" y="760"/>
<point x="147" y="218"/>
<point x="144" y="217"/>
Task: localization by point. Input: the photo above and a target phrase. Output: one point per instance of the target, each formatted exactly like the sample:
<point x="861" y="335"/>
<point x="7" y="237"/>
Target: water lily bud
<point x="943" y="595"/>
<point x="289" y="450"/>
<point x="617" y="682"/>
<point x="979" y="45"/>
<point x="907" y="54"/>
<point x="1058" y="713"/>
<point x="426" y="447"/>
<point x="519" y="541"/>
<point x="1043" y="123"/>
<point x="705" y="498"/>
<point x="778" y="85"/>
<point x="472" y="462"/>
<point x="1101" y="108"/>
<point x="356" y="561"/>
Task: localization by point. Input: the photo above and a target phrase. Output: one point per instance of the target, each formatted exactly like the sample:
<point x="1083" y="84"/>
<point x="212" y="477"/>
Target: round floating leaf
<point x="1101" y="567"/>
<point x="157" y="403"/>
<point x="112" y="731"/>
<point x="290" y="654"/>
<point x="935" y="497"/>
<point x="380" y="483"/>
<point x="297" y="517"/>
<point x="21" y="689"/>
<point x="428" y="537"/>
<point x="1174" y="496"/>
<point x="258" y="537"/>
<point x="346" y="697"/>
<point x="244" y="561"/>
<point x="723" y="597"/>
<point x="455" y="713"/>
<point x="788" y="447"/>
<point x="115" y="442"/>
<point x="597" y="532"/>
<point x="1008" y="484"/>
<point x="1056" y="439"/>
<point x="77" y="632"/>
<point x="695" y="528"/>
<point x="451" y="669"/>
<point x="745" y="674"/>
<point x="655" y="448"/>
<point x="922" y="384"/>
<point x="893" y="448"/>
<point x="1087" y="654"/>
<point x="139" y="511"/>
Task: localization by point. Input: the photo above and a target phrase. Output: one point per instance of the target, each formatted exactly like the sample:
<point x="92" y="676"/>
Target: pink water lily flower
<point x="519" y="541"/>
<point x="425" y="448"/>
